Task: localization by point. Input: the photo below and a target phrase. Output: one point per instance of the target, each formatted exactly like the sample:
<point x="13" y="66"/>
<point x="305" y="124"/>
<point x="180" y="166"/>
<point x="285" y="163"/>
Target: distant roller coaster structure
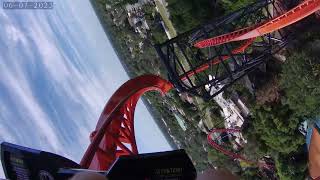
<point x="226" y="48"/>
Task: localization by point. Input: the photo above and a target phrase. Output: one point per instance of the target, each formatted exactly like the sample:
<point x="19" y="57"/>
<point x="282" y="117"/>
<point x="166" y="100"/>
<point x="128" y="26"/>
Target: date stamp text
<point x="27" y="5"/>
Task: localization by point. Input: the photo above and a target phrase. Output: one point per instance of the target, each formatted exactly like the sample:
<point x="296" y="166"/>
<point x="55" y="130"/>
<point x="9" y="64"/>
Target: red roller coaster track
<point x="228" y="153"/>
<point x="301" y="11"/>
<point x="114" y="133"/>
<point x="219" y="148"/>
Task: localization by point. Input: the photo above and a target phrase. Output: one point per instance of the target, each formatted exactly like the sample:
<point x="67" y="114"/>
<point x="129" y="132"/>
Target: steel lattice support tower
<point x="226" y="49"/>
<point x="208" y="59"/>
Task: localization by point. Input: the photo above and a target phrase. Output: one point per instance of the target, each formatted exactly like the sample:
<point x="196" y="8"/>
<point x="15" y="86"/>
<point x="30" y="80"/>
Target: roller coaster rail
<point x="190" y="58"/>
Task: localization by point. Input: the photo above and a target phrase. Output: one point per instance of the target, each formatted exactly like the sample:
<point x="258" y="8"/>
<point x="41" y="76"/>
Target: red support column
<point x="114" y="133"/>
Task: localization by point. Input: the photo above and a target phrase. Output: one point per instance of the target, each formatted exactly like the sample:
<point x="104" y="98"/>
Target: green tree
<point x="222" y="161"/>
<point x="277" y="125"/>
<point x="250" y="173"/>
<point x="290" y="168"/>
<point x="120" y="2"/>
<point x="232" y="5"/>
<point x="130" y="1"/>
<point x="301" y="84"/>
<point x="187" y="14"/>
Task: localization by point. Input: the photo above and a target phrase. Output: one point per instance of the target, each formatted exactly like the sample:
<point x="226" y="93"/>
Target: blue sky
<point x="57" y="71"/>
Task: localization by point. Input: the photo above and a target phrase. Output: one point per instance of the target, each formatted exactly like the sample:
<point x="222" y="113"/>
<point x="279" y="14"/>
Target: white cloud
<point x="14" y="80"/>
<point x="80" y="70"/>
<point x="15" y="34"/>
<point x="78" y="87"/>
<point x="3" y="15"/>
<point x="4" y="132"/>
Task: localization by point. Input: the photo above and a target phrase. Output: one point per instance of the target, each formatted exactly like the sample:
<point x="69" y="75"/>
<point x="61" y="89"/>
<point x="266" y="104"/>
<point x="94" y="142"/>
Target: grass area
<point x="171" y="29"/>
<point x="165" y="18"/>
<point x="173" y="33"/>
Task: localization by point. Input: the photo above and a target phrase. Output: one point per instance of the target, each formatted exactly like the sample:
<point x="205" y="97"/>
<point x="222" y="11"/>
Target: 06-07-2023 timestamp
<point x="27" y="5"/>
